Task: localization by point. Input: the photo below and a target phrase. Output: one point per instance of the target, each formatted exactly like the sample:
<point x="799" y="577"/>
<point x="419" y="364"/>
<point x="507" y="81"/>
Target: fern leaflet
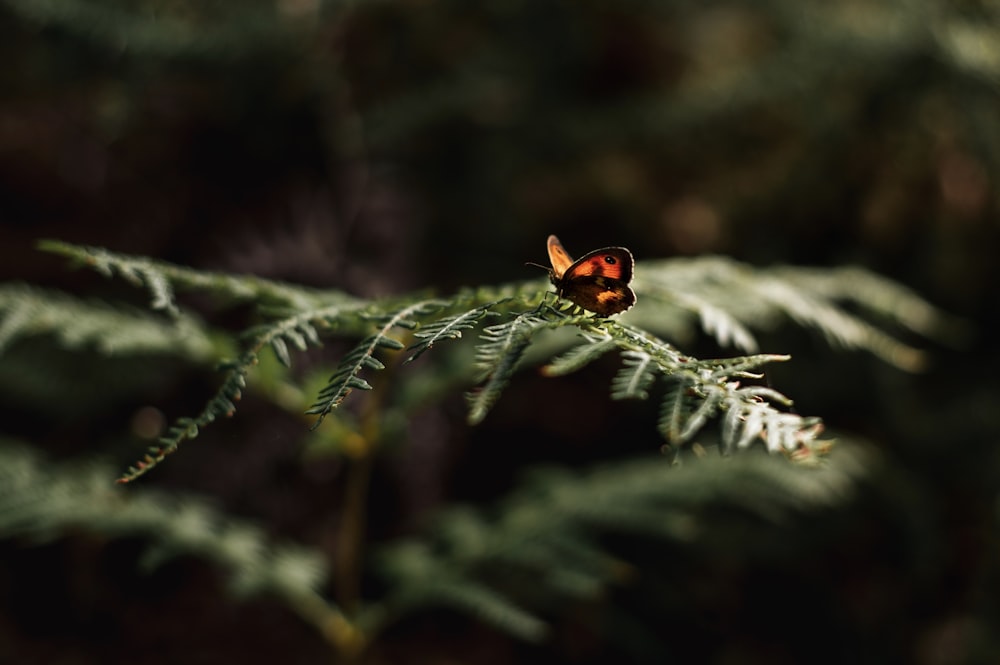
<point x="346" y="377"/>
<point x="27" y="311"/>
<point x="298" y="328"/>
<point x="498" y="358"/>
<point x="161" y="278"/>
<point x="635" y="377"/>
<point x="450" y="327"/>
<point x="675" y="410"/>
<point x="578" y="357"/>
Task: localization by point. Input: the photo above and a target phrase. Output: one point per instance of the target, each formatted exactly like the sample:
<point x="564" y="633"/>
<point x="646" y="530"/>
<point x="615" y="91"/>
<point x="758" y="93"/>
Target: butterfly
<point x="597" y="281"/>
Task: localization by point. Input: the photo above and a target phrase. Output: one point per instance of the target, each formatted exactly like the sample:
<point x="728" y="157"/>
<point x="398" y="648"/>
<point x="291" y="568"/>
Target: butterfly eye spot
<point x="610" y="260"/>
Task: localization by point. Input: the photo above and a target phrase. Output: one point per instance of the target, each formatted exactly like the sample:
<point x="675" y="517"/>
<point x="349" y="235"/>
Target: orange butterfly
<point x="597" y="281"/>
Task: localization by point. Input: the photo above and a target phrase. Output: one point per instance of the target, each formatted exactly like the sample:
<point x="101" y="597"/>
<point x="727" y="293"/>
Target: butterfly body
<point x="597" y="281"/>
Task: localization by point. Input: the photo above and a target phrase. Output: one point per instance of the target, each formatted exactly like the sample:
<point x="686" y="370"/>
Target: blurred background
<point x="388" y="146"/>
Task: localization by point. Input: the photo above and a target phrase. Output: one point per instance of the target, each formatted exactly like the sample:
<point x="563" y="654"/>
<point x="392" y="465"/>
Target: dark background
<point x="400" y="145"/>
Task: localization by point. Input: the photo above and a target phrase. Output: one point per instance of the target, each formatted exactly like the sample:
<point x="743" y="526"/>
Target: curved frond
<point x="42" y="500"/>
<point x="719" y="323"/>
<point x="578" y="357"/>
<point x="877" y="295"/>
<point x="27" y="311"/>
<point x="450" y="327"/>
<point x="346" y="377"/>
<point x="635" y="377"/>
<point x="699" y="390"/>
<point x="299" y="328"/>
<point x="676" y="410"/>
<point x="497" y="358"/>
<point x="161" y="279"/>
<point x="729" y="298"/>
<point x="556" y="522"/>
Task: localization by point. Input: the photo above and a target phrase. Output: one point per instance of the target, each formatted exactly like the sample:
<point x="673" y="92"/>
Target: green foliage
<point x="27" y="311"/>
<point x="489" y="564"/>
<point x="867" y="123"/>
<point x="728" y="298"/>
<point x="498" y="356"/>
<point x="297" y="328"/>
<point x="162" y="279"/>
<point x="40" y="500"/>
<point x="346" y="378"/>
<point x="450" y="327"/>
<point x="549" y="538"/>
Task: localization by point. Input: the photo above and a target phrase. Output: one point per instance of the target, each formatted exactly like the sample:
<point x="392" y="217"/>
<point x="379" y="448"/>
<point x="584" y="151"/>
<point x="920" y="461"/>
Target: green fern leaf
<point x="732" y="424"/>
<point x="877" y="295"/>
<point x="480" y="400"/>
<point x="281" y="351"/>
<point x="498" y="357"/>
<point x="490" y="606"/>
<point x="635" y="377"/>
<point x="719" y="323"/>
<point x="696" y="419"/>
<point x="728" y="297"/>
<point x="739" y="366"/>
<point x="558" y="520"/>
<point x="161" y="279"/>
<point x="27" y="311"/>
<point x="450" y="327"/>
<point x="223" y="403"/>
<point x="578" y="357"/>
<point x="345" y="378"/>
<point x="42" y="499"/>
<point x="675" y="410"/>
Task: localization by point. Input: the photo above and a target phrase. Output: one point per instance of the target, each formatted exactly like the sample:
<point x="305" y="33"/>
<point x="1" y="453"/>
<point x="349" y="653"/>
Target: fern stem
<point x="342" y="634"/>
<point x="352" y="531"/>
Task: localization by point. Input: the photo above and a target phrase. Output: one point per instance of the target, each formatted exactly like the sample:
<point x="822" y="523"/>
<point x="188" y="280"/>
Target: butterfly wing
<point x="597" y="281"/>
<point x="602" y="295"/>
<point x="610" y="262"/>
<point x="558" y="257"/>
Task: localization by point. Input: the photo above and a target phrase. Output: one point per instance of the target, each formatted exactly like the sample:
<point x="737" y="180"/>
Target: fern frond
<point x="630" y="338"/>
<point x="838" y="326"/>
<point x="877" y="295"/>
<point x="161" y="279"/>
<point x="578" y="357"/>
<point x="27" y="311"/>
<point x="635" y="377"/>
<point x="558" y="522"/>
<point x="43" y="500"/>
<point x="739" y="366"/>
<point x="676" y="409"/>
<point x="497" y="359"/>
<point x="729" y="297"/>
<point x="503" y="346"/>
<point x="487" y="604"/>
<point x="699" y="390"/>
<point x="221" y="404"/>
<point x="720" y="324"/>
<point x="299" y="328"/>
<point x="346" y="377"/>
<point x="450" y="327"/>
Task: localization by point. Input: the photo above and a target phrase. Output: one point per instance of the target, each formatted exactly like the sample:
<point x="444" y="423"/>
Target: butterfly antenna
<point x="537" y="265"/>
